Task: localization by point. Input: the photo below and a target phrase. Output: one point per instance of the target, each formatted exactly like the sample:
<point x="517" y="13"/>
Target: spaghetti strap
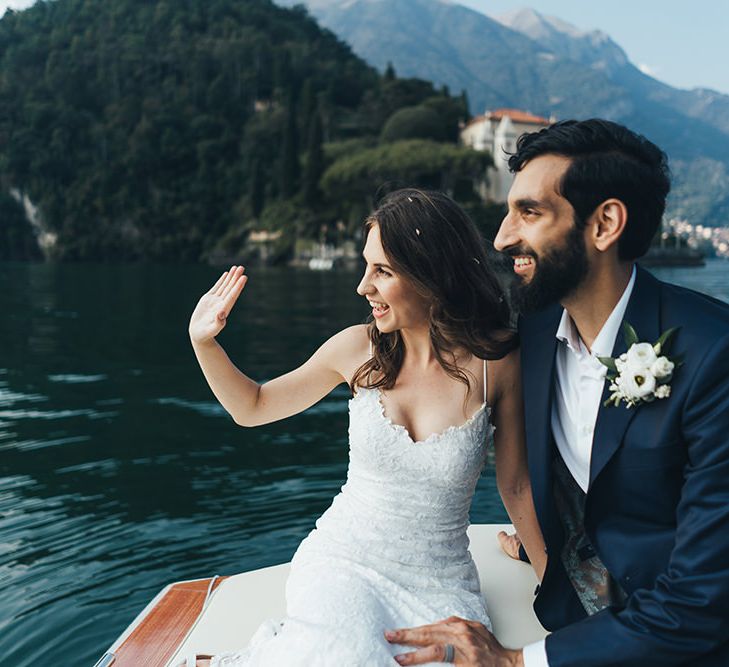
<point x="485" y="382"/>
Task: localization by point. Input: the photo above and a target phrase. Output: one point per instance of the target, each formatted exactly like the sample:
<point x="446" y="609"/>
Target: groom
<point x="633" y="502"/>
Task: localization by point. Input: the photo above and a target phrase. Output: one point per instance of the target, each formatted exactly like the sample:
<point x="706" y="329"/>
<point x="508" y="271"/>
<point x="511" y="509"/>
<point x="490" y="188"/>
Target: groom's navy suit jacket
<point x="657" y="507"/>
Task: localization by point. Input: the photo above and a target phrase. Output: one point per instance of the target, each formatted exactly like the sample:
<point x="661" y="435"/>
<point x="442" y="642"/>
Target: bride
<point x="392" y="550"/>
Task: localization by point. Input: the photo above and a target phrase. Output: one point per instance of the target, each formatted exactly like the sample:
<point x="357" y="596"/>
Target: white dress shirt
<point x="578" y="385"/>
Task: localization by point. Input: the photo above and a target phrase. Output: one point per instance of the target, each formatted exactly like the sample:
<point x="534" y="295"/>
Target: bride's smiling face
<point x="395" y="302"/>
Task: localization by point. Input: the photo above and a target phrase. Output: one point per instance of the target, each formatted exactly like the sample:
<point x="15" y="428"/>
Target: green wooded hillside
<point x="170" y="129"/>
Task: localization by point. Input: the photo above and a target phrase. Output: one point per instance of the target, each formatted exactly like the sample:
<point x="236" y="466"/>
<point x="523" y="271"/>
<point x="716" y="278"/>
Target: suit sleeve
<point x="686" y="613"/>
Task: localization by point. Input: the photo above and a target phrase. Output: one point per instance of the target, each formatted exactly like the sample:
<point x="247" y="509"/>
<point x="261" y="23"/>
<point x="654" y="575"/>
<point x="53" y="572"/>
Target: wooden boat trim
<point x="156" y="633"/>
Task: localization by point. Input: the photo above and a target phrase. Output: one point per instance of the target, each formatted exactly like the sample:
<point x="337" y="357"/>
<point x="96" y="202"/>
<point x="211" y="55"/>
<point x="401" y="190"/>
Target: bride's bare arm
<point x="250" y="403"/>
<point x="512" y="473"/>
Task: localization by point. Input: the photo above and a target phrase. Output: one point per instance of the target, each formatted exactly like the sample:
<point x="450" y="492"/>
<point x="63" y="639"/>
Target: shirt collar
<point x="567" y="333"/>
<point x="605" y="340"/>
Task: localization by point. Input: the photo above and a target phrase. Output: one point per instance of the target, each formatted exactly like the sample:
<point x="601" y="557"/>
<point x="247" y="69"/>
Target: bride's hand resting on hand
<point x="211" y="313"/>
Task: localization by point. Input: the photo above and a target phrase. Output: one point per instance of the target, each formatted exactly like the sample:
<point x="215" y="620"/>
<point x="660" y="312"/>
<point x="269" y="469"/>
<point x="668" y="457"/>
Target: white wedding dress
<point x="390" y="552"/>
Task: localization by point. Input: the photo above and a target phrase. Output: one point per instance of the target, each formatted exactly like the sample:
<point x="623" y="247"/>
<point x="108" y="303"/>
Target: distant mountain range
<point x="547" y="66"/>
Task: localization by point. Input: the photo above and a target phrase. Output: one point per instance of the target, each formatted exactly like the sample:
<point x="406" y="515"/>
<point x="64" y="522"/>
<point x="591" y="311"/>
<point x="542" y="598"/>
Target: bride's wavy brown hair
<point x="432" y="243"/>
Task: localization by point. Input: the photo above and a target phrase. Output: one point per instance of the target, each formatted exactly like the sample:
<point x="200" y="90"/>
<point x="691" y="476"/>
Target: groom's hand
<point x="509" y="544"/>
<point x="474" y="645"/>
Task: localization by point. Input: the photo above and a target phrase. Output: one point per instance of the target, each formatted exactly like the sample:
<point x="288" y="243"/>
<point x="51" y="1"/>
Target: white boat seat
<point x="242" y="602"/>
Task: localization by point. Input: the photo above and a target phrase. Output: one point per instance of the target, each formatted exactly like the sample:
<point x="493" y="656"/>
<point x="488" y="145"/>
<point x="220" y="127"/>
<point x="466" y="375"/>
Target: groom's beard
<point x="558" y="273"/>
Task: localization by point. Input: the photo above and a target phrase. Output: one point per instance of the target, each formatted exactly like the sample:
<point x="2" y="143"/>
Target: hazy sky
<point x="681" y="43"/>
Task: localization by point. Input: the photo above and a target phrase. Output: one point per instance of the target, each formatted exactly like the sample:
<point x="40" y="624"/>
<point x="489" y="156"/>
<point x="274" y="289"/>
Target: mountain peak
<point x="532" y="23"/>
<point x="590" y="47"/>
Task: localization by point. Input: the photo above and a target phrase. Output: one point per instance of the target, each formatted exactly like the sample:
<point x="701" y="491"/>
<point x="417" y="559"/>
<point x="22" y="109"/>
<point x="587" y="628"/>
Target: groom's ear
<point x="609" y="220"/>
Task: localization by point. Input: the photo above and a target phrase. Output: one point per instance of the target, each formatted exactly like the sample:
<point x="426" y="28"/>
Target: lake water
<point x="119" y="472"/>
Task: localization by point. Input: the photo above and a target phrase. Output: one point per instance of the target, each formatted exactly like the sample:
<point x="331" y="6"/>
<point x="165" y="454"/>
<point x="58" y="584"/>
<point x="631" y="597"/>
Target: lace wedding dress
<point x="390" y="552"/>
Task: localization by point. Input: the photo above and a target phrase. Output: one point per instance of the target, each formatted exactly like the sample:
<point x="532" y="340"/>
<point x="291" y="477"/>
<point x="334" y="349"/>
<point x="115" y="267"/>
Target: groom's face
<point x="539" y="233"/>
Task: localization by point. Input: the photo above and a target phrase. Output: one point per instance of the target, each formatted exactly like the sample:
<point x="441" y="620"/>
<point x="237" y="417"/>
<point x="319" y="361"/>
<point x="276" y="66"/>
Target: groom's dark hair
<point x="607" y="161"/>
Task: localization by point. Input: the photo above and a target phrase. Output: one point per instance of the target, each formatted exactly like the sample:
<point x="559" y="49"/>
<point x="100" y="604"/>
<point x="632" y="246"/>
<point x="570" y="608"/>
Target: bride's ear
<point x="609" y="220"/>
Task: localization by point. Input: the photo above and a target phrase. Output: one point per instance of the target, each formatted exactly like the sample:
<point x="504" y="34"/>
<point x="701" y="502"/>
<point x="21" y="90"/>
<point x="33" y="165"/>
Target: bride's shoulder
<point x="352" y="339"/>
<point x="348" y="349"/>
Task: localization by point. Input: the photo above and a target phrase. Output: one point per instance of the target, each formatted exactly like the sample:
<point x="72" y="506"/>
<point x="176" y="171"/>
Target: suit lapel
<point x="538" y="359"/>
<point x="643" y="313"/>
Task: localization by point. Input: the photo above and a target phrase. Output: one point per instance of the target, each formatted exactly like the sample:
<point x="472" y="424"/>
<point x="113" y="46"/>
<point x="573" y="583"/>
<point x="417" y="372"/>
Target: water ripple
<point x="29" y="445"/>
<point x="105" y="467"/>
<point x="53" y="414"/>
<point x="70" y="378"/>
<point x="8" y="397"/>
<point x="206" y="408"/>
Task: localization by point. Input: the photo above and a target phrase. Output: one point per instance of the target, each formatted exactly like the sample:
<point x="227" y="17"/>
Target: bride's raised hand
<point x="211" y="313"/>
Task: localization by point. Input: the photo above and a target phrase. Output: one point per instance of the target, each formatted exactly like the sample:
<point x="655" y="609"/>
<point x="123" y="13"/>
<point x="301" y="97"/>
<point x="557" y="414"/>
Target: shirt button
<point x="586" y="430"/>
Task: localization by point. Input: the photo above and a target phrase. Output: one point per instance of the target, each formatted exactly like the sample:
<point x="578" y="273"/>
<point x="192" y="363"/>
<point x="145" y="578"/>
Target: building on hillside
<point x="497" y="132"/>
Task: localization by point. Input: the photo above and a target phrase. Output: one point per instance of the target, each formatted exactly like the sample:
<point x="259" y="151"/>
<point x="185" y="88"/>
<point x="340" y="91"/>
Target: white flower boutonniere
<point x="643" y="373"/>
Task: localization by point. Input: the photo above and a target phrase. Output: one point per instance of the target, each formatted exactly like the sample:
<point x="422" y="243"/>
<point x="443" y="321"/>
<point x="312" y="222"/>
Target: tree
<point x="283" y="75"/>
<point x="465" y="106"/>
<point x="307" y="105"/>
<point x="450" y="114"/>
<point x="257" y="189"/>
<point x="289" y="165"/>
<point x="419" y="122"/>
<point x="314" y="167"/>
<point x="392" y="95"/>
<point x="415" y="162"/>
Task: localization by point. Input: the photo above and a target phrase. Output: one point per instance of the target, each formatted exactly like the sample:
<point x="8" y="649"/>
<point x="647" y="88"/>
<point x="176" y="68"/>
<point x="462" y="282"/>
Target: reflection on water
<point x="118" y="470"/>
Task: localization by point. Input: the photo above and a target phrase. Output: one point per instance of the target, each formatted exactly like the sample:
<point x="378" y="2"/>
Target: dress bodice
<point x="384" y="457"/>
<point x="400" y="492"/>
